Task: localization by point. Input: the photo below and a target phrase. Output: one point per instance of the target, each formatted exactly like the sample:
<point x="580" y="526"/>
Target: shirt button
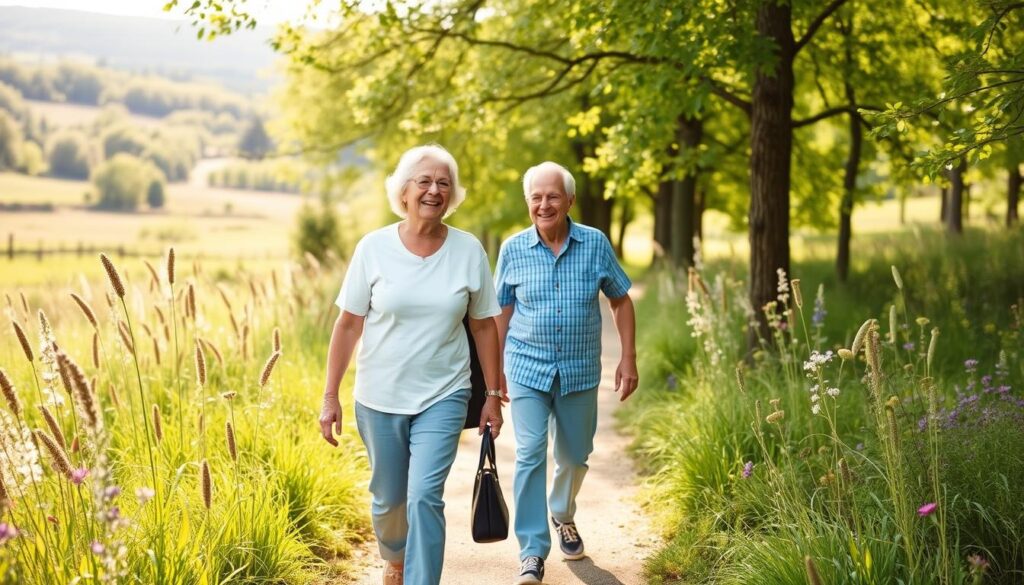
<point x="558" y="329"/>
<point x="559" y="311"/>
<point x="558" y="349"/>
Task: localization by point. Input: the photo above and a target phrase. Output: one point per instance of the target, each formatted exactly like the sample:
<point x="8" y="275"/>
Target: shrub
<point x="69" y="156"/>
<point x="122" y="181"/>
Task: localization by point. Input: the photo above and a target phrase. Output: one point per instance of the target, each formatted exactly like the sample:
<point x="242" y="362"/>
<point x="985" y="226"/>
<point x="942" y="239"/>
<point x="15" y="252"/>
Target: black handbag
<point x="489" y="514"/>
<point x="477" y="396"/>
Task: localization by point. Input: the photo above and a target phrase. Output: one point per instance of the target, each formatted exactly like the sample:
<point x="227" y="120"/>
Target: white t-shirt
<point x="414" y="350"/>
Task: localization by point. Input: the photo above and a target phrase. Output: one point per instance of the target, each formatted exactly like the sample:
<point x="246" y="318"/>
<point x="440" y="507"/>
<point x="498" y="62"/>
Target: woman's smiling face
<point x="429" y="191"/>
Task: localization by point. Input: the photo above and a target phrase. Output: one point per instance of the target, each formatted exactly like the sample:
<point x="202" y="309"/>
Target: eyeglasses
<point x="424" y="183"/>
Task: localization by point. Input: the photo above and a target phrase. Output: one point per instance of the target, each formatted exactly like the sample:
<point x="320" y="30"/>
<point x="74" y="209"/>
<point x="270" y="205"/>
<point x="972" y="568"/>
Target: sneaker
<point x="569" y="540"/>
<point x="531" y="571"/>
<point x="393" y="573"/>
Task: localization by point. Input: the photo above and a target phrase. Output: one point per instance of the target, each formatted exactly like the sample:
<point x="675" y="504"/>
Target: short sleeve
<point x="354" y="296"/>
<point x="614" y="282"/>
<point x="505" y="291"/>
<point x="484" y="303"/>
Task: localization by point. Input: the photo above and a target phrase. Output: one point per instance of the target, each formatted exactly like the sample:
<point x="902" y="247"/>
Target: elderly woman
<point x="406" y="291"/>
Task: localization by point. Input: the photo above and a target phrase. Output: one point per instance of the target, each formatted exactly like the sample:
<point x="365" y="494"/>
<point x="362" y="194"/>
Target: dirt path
<point x="609" y="520"/>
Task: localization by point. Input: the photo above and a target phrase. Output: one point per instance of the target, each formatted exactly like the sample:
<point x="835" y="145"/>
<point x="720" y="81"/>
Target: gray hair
<point x="395" y="183"/>
<point x="568" y="182"/>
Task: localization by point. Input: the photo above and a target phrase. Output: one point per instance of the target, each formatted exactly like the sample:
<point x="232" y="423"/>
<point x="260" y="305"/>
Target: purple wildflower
<point x="7" y="532"/>
<point x="79" y="475"/>
<point x="818" y="318"/>
<point x="97" y="547"/>
<point x="971" y="365"/>
<point x="859" y="447"/>
<point x="670" y="381"/>
<point x="111" y="492"/>
<point x="986" y="381"/>
<point x="748" y="469"/>
<point x="908" y="346"/>
<point x="927" y="509"/>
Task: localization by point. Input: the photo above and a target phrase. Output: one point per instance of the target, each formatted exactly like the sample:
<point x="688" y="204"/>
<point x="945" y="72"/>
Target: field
<point x="63" y="115"/>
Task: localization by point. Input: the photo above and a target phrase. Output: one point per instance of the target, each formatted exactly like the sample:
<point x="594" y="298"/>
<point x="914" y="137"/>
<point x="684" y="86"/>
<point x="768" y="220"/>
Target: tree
<point x="317" y="231"/>
<point x="10" y="142"/>
<point x="255" y="143"/>
<point x="155" y="194"/>
<point x="68" y="156"/>
<point x="122" y="181"/>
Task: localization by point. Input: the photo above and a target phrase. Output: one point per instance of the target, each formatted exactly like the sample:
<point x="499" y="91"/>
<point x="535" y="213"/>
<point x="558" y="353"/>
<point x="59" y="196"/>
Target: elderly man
<point x="548" y="277"/>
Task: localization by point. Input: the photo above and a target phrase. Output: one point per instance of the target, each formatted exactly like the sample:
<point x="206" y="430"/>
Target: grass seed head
<point x="60" y="461"/>
<point x="207" y="485"/>
<point x="86" y="310"/>
<point x="158" y="427"/>
<point x="170" y="265"/>
<point x="229" y="432"/>
<point x="51" y="423"/>
<point x="152" y="273"/>
<point x="200" y="365"/>
<point x="931" y="347"/>
<point x="812" y="571"/>
<point x="277" y="339"/>
<point x="115" y="278"/>
<point x="96" y="350"/>
<point x="775" y="416"/>
<point x="897" y="278"/>
<point x="24" y="303"/>
<point x="798" y="296"/>
<point x="858" y="340"/>
<point x="268" y="368"/>
<point x="10" y="395"/>
<point x="893" y="325"/>
<point x="845" y="354"/>
<point x="23" y="340"/>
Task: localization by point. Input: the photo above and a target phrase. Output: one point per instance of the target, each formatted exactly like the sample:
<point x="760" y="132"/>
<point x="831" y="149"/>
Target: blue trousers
<point x="410" y="456"/>
<point x="571" y="421"/>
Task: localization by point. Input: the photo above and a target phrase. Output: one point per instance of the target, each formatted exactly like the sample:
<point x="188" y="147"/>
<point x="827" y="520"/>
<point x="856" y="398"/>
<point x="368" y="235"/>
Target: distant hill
<point x="240" y="62"/>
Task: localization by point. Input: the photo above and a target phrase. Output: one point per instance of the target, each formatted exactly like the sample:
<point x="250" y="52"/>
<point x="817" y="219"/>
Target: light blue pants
<point x="410" y="456"/>
<point x="572" y="422"/>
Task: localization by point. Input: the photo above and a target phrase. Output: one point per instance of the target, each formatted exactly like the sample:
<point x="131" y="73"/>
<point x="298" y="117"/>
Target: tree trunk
<point x="944" y="203"/>
<point x="595" y="210"/>
<point x="849" y="189"/>
<point x="662" y="213"/>
<point x="688" y="135"/>
<point x="955" y="207"/>
<point x="1013" y="185"/>
<point x="625" y="217"/>
<point x="771" y="146"/>
<point x="698" y="216"/>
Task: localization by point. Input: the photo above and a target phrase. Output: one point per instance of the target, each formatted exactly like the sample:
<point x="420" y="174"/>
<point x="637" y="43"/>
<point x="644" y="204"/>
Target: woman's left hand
<point x="491" y="413"/>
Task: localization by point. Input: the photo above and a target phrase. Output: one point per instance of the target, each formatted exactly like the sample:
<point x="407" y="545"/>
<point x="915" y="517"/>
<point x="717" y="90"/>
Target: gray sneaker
<point x="569" y="540"/>
<point x="531" y="571"/>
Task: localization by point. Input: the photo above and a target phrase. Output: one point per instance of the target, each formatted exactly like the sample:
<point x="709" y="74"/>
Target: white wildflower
<point x="816" y="408"/>
<point x="19" y="459"/>
<point x="833" y="392"/>
<point x="783" y="288"/>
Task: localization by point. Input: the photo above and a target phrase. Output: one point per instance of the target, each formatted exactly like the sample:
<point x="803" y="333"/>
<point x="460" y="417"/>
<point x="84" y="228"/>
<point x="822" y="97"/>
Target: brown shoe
<point x="393" y="573"/>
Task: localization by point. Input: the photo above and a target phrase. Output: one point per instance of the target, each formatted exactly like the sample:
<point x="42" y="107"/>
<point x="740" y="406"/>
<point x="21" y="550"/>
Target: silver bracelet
<point x="495" y="393"/>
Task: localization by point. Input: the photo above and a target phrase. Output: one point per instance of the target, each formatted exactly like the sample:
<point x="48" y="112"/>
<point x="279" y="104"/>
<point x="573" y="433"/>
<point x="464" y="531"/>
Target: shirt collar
<point x="575" y="233"/>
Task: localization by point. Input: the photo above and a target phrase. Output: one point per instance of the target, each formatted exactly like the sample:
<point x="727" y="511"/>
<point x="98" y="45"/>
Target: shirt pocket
<point x="582" y="285"/>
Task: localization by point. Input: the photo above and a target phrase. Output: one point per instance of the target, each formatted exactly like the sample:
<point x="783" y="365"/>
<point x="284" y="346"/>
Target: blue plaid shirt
<point x="556" y="323"/>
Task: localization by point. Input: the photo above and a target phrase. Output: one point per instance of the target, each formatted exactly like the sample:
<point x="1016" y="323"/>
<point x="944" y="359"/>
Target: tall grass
<point x="876" y="435"/>
<point x="115" y="460"/>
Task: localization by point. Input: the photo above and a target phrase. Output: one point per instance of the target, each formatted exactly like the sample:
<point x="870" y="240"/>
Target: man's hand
<point x="626" y="377"/>
<point x="491" y="413"/>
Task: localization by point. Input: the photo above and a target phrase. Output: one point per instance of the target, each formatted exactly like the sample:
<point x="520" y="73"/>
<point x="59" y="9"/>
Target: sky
<point x="266" y="11"/>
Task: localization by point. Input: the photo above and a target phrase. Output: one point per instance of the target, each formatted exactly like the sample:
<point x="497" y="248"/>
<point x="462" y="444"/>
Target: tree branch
<point x="816" y="24"/>
<point x="823" y="115"/>
<point x="728" y="96"/>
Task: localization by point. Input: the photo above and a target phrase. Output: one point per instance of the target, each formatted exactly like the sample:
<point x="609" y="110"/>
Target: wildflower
<point x="971" y="365"/>
<point x="96" y="547"/>
<point x="783" y="287"/>
<point x="144" y="494"/>
<point x="816" y="360"/>
<point x="78" y="475"/>
<point x="818" y="317"/>
<point x="7" y="532"/>
<point x="922" y="321"/>
<point x="833" y="392"/>
<point x="859" y="447"/>
<point x="111" y="492"/>
<point x="748" y="469"/>
<point x="908" y="346"/>
<point x="670" y="381"/>
<point x="978" y="563"/>
<point x="845" y="354"/>
<point x="228" y="395"/>
<point x="927" y="509"/>
<point x="815" y="408"/>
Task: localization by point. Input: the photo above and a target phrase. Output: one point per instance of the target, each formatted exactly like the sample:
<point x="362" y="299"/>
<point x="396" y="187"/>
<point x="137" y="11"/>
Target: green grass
<point x="857" y="519"/>
<point x="287" y="511"/>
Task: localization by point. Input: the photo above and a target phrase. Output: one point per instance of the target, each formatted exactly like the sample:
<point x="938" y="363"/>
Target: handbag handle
<point x="487" y="451"/>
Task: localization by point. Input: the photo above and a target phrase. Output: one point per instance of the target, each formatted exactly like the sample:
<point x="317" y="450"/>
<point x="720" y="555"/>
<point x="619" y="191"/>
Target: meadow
<point x="158" y="428"/>
<point x="874" y="434"/>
